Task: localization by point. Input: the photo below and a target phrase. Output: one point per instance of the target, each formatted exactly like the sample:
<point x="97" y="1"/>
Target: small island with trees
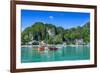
<point x="50" y="34"/>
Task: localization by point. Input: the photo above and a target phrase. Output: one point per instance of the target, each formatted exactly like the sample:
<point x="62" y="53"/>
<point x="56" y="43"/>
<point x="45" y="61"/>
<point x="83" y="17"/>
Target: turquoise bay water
<point x="67" y="53"/>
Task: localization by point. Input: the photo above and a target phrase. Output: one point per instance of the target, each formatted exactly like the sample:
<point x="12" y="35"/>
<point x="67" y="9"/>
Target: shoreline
<point x="52" y="45"/>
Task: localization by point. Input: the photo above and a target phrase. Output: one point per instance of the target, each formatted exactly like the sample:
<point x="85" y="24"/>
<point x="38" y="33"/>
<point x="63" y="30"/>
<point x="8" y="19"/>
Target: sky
<point x="66" y="20"/>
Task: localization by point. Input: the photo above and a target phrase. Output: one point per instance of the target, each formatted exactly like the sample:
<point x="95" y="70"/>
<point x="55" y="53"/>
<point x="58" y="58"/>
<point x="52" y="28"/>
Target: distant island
<point x="51" y="34"/>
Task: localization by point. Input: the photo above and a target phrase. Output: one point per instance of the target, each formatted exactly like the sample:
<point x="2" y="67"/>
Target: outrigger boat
<point x="44" y="47"/>
<point x="41" y="48"/>
<point x="53" y="48"/>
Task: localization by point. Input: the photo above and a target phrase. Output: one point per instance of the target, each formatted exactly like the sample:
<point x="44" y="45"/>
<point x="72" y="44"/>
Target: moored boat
<point x="41" y="48"/>
<point x="53" y="48"/>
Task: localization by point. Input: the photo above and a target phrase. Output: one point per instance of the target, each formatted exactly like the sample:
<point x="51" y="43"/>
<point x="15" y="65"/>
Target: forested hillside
<point x="52" y="34"/>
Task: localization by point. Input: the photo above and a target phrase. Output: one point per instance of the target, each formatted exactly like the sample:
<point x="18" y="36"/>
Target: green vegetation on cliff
<point x="52" y="34"/>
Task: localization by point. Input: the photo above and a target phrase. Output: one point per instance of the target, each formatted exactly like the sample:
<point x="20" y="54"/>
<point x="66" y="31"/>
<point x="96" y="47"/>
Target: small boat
<point x="41" y="48"/>
<point x="53" y="48"/>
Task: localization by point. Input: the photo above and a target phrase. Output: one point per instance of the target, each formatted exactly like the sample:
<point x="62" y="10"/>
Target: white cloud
<point x="51" y="17"/>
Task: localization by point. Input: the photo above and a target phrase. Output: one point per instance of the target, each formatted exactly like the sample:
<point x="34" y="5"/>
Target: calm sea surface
<point x="65" y="53"/>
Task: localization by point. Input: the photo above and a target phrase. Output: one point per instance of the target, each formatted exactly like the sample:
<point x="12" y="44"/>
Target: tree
<point x="26" y="35"/>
